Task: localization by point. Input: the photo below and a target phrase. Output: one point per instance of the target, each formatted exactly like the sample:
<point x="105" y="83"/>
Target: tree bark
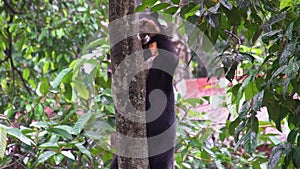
<point x="127" y="58"/>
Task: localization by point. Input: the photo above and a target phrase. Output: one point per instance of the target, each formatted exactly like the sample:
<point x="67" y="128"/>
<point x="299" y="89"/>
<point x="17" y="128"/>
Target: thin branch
<point x="10" y="58"/>
<point x="23" y="80"/>
<point x="10" y="7"/>
<point x="236" y="37"/>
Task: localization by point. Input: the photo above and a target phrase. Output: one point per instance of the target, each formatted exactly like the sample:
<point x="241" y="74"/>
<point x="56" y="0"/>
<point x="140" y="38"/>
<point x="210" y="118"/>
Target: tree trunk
<point x="128" y="79"/>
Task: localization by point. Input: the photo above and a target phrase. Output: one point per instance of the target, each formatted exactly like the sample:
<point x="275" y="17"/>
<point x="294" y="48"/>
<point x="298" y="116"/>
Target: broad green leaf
<point x="250" y="142"/>
<point x="46" y="67"/>
<point x="68" y="154"/>
<point x="81" y="122"/>
<point x="58" y="158"/>
<point x="19" y="135"/>
<point x="176" y="1"/>
<point x="26" y="74"/>
<point x="214" y="20"/>
<point x="233" y="125"/>
<point x="149" y="2"/>
<point x="159" y="7"/>
<point x="276" y="18"/>
<point x="258" y="100"/>
<point x="45" y="156"/>
<point x="83" y="150"/>
<point x="32" y="83"/>
<point x="254" y="123"/>
<point x="81" y="89"/>
<point x="250" y="90"/>
<point x="194" y="101"/>
<point x="3" y="138"/>
<point x="41" y="124"/>
<point x="287" y="3"/>
<point x="67" y="128"/>
<point x="60" y="76"/>
<point x="267" y="36"/>
<point x="141" y="8"/>
<point x="43" y="34"/>
<point x="44" y="87"/>
<point x="68" y="91"/>
<point x="172" y="10"/>
<point x="288" y="52"/>
<point x="276" y="154"/>
<point x="186" y="9"/>
<point x="289" y="31"/>
<point x="61" y="132"/>
<point x="292" y="136"/>
<point x="49" y="145"/>
<point x="296" y="157"/>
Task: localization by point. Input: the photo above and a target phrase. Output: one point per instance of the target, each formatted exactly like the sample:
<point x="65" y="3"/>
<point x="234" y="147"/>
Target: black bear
<point x="160" y="104"/>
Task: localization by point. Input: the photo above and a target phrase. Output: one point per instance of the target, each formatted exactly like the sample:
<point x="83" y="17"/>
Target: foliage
<point x="50" y="75"/>
<point x="40" y="82"/>
<point x="262" y="37"/>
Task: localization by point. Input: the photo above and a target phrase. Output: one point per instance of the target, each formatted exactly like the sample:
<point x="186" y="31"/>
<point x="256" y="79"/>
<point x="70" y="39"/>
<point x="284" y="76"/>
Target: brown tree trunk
<point x="127" y="60"/>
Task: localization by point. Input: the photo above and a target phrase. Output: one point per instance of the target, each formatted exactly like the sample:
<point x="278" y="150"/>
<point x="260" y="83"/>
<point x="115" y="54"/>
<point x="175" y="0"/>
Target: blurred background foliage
<point x="56" y="106"/>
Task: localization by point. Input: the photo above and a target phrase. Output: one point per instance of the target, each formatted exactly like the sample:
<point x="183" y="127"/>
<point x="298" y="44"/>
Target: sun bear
<point x="160" y="103"/>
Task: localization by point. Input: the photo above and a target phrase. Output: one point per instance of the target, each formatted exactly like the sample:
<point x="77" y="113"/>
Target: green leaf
<point x="141" y="8"/>
<point x="68" y="91"/>
<point x="276" y="18"/>
<point x="45" y="156"/>
<point x="61" y="132"/>
<point x="254" y="124"/>
<point x="258" y="100"/>
<point x="60" y="76"/>
<point x="233" y="125"/>
<point x="276" y="154"/>
<point x="83" y="150"/>
<point x="194" y="101"/>
<point x="46" y="67"/>
<point x="58" y="158"/>
<point x="267" y="36"/>
<point x="149" y="2"/>
<point x="159" y="7"/>
<point x="3" y="138"/>
<point x="288" y="52"/>
<point x="26" y="74"/>
<point x="286" y="3"/>
<point x="81" y="89"/>
<point x="186" y="9"/>
<point x="19" y="135"/>
<point x="289" y="31"/>
<point x="176" y="1"/>
<point x="214" y="20"/>
<point x="250" y="141"/>
<point x="68" y="154"/>
<point x="292" y="136"/>
<point x="43" y="34"/>
<point x="81" y="122"/>
<point x="49" y="145"/>
<point x="172" y="10"/>
<point x="296" y="157"/>
<point x="67" y="128"/>
<point x="44" y="87"/>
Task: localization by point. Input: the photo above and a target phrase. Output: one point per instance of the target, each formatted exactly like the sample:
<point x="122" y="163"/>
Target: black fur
<point x="161" y="80"/>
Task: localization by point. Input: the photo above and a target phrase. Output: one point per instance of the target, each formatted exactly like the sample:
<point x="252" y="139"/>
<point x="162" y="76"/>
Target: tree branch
<point x="11" y="8"/>
<point x="9" y="57"/>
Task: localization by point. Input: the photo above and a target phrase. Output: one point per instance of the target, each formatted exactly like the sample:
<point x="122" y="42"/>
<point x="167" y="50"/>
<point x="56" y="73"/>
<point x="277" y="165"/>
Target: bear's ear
<point x="155" y="15"/>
